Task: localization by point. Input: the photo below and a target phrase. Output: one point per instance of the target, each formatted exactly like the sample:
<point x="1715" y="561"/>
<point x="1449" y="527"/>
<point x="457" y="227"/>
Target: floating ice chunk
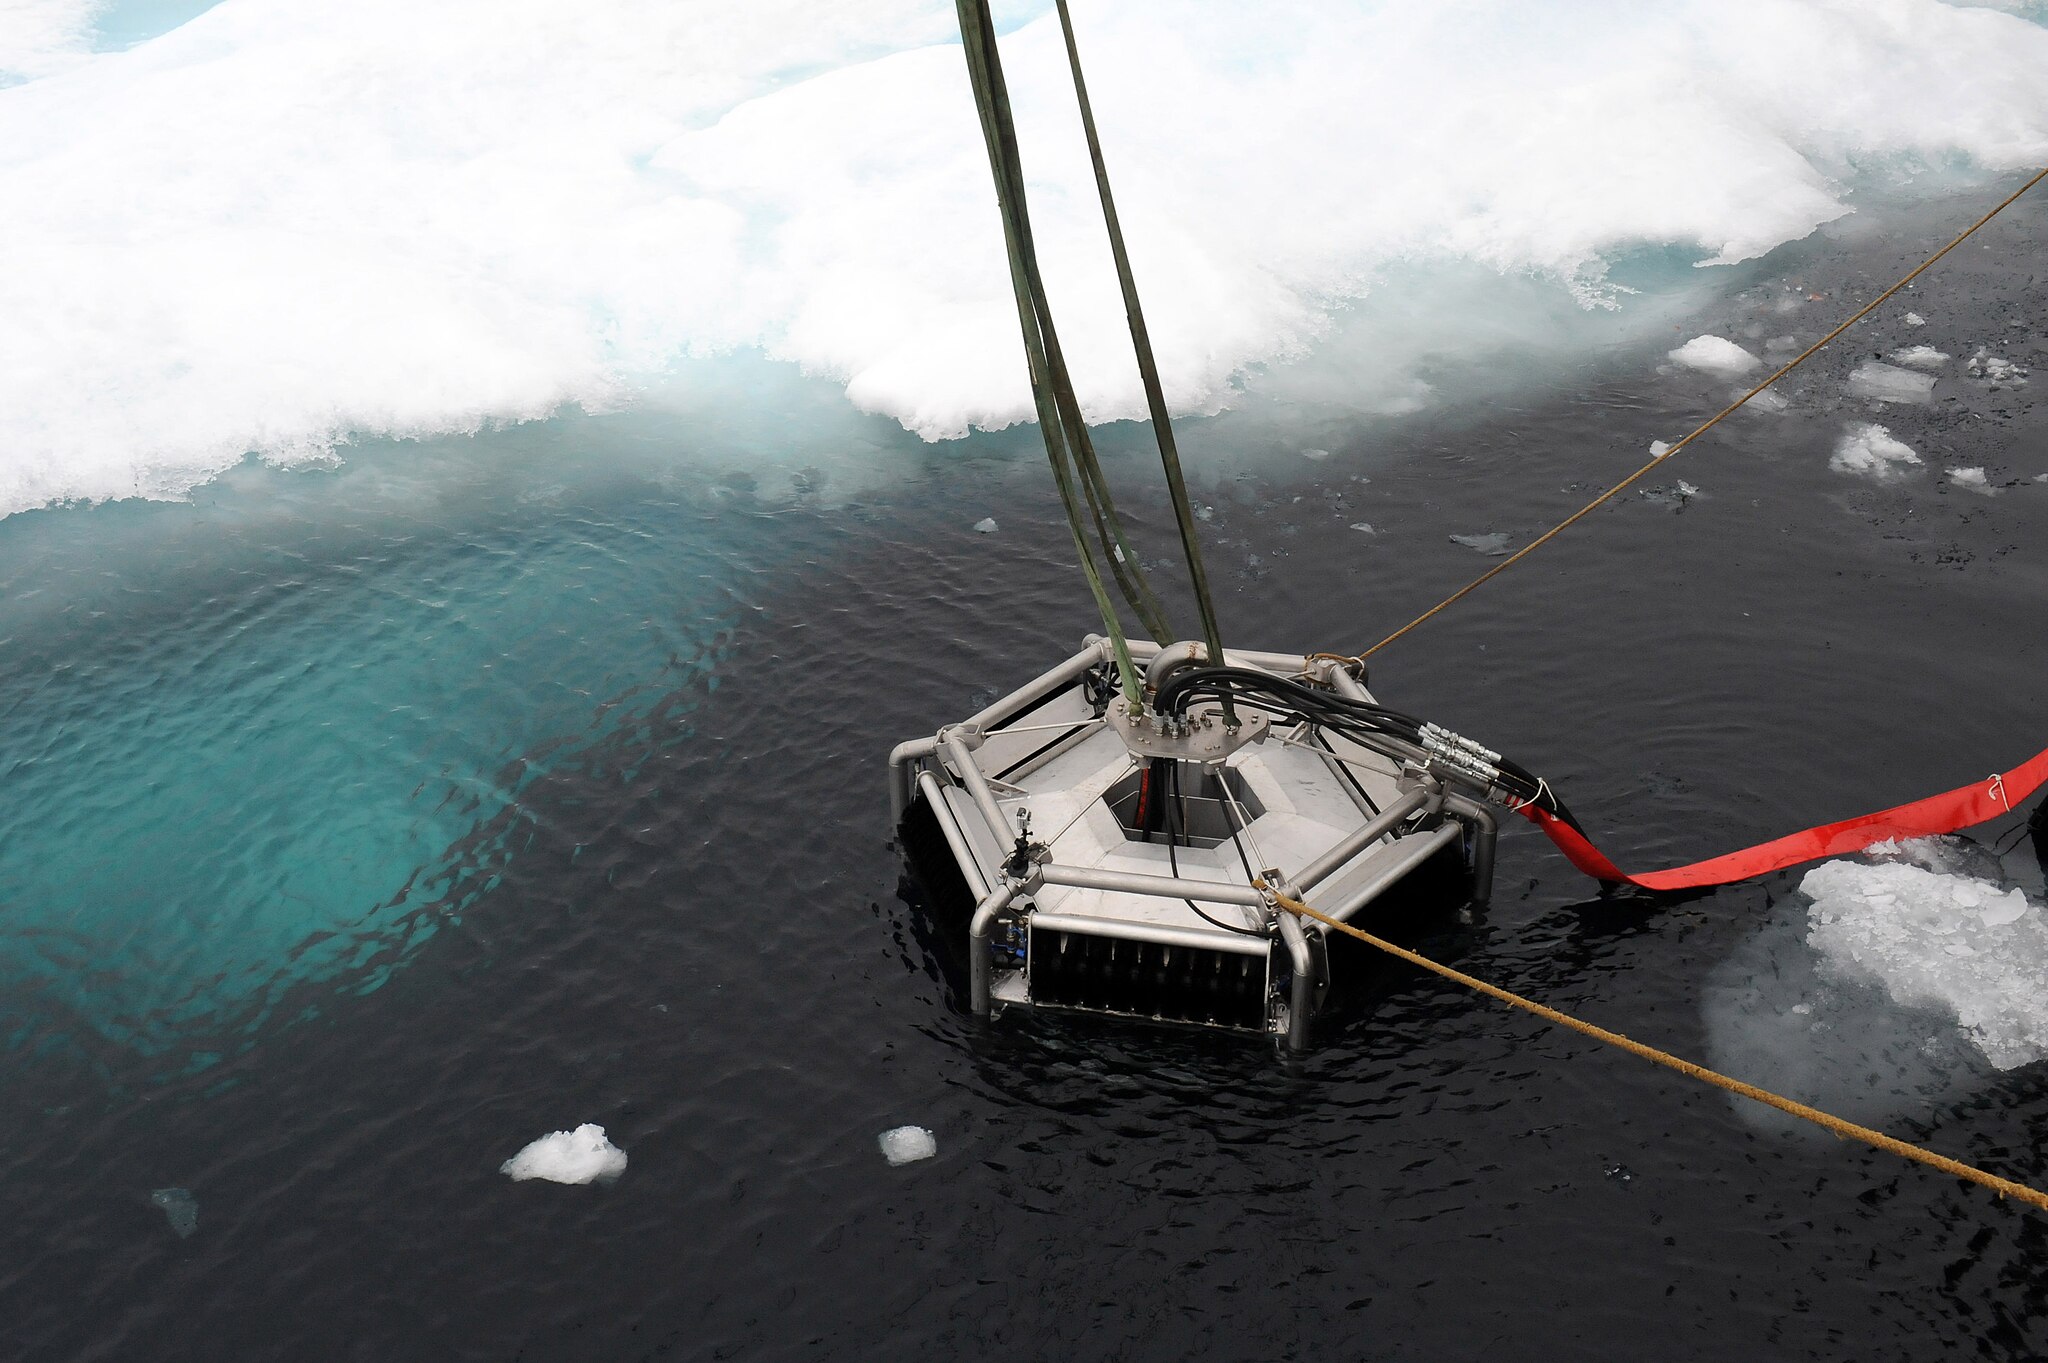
<point x="1914" y="319"/>
<point x="1779" y="343"/>
<point x="579" y="1156"/>
<point x="907" y="1145"/>
<point x="1715" y="355"/>
<point x="1770" y="400"/>
<point x="1972" y="480"/>
<point x="1317" y="455"/>
<point x="1660" y="448"/>
<point x="1889" y="383"/>
<point x="1921" y="357"/>
<point x="1985" y="365"/>
<point x="1898" y="926"/>
<point x="1493" y="544"/>
<point x="1363" y="528"/>
<point x="1870" y="449"/>
<point x="1674" y="496"/>
<point x="1207" y="513"/>
<point x="181" y="1209"/>
<point x="986" y="525"/>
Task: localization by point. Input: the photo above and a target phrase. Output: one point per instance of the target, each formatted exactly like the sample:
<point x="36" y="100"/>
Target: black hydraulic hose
<point x="1173" y="800"/>
<point x="1294" y="699"/>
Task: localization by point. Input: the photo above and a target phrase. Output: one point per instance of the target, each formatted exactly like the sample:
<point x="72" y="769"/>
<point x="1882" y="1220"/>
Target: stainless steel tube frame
<point x="1137" y="882"/>
<point x="1096" y="651"/>
<point x="1159" y="934"/>
<point x="1485" y="834"/>
<point x="942" y="814"/>
<point x="1282" y="664"/>
<point x="900" y="761"/>
<point x="981" y="970"/>
<point x="957" y="748"/>
<point x="1390" y="818"/>
<point x="1412" y="853"/>
<point x="1301" y="998"/>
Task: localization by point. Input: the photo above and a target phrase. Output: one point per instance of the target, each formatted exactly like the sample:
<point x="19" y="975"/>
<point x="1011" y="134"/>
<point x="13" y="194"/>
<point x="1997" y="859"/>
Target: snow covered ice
<point x="907" y="1145"/>
<point x="1921" y="357"/>
<point x="986" y="525"/>
<point x="1715" y="355"/>
<point x="217" y="245"/>
<point x="1972" y="480"/>
<point x="1871" y="450"/>
<point x="580" y="1156"/>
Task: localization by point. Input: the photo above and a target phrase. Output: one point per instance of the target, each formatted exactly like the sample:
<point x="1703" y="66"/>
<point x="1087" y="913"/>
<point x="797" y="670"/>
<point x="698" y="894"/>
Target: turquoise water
<point x="279" y="735"/>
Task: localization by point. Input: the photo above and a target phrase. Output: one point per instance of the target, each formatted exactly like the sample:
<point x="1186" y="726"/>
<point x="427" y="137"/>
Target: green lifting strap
<point x="1148" y="368"/>
<point x="977" y="33"/>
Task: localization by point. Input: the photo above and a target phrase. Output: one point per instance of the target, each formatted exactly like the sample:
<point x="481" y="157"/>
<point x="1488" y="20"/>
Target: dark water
<point x="675" y="911"/>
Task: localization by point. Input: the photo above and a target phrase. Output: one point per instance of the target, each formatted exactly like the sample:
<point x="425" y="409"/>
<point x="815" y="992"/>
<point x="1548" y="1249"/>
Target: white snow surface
<point x="1871" y="450"/>
<point x="580" y="1156"/>
<point x="1972" y="479"/>
<point x="1715" y="355"/>
<point x="907" y="1145"/>
<point x="282" y="226"/>
<point x="1935" y="938"/>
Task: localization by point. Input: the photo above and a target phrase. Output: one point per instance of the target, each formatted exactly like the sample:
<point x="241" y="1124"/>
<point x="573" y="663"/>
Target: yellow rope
<point x="2002" y="1186"/>
<point x="1589" y="507"/>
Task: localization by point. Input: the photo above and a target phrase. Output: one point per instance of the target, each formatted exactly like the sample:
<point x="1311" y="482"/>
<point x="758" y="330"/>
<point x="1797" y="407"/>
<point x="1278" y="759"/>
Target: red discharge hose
<point x="1978" y="802"/>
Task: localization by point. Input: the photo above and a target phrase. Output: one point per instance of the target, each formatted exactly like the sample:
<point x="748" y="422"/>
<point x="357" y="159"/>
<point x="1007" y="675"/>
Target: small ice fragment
<point x="1770" y="400"/>
<point x="1870" y="449"/>
<point x="1782" y="343"/>
<point x="907" y="1145"/>
<point x="2001" y="912"/>
<point x="1207" y="513"/>
<point x="579" y="1156"/>
<point x="986" y="525"/>
<point x="1803" y="1009"/>
<point x="181" y="1209"/>
<point x="1660" y="448"/>
<point x="1972" y="480"/>
<point x="1985" y="365"/>
<point x="1921" y="357"/>
<point x="1317" y="455"/>
<point x="1620" y="1173"/>
<point x="1889" y="383"/>
<point x="1493" y="544"/>
<point x="1363" y="528"/>
<point x="1914" y="319"/>
<point x="1686" y="489"/>
<point x="1715" y="355"/>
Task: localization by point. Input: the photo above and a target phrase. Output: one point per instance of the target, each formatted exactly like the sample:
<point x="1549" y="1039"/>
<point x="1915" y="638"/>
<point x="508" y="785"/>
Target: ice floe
<point x="986" y="525"/>
<point x="907" y="1145"/>
<point x="580" y="1156"/>
<point x="1921" y="356"/>
<point x="180" y="1208"/>
<point x="1493" y="544"/>
<point x="1715" y="355"/>
<point x="1871" y="450"/>
<point x="1972" y="480"/>
<point x="1996" y="369"/>
<point x="1889" y="383"/>
<point x="1940" y="939"/>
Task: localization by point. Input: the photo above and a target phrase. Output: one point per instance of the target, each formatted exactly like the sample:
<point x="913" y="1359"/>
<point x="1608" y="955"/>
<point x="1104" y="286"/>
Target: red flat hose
<point x="1963" y="807"/>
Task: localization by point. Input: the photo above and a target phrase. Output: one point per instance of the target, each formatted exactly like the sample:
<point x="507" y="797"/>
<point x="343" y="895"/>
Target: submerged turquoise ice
<point x="280" y="735"/>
